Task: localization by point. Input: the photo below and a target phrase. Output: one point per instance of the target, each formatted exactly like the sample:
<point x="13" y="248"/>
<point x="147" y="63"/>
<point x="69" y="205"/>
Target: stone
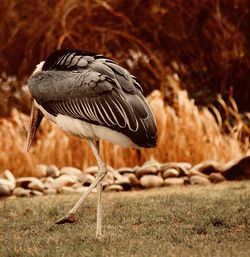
<point x="92" y="170"/>
<point x="113" y="188"/>
<point x="85" y="178"/>
<point x="48" y="181"/>
<point x="116" y="175"/>
<point x="4" y="190"/>
<point x="70" y="171"/>
<point x="76" y="185"/>
<point x="182" y="167"/>
<point x="216" y="177"/>
<point x="66" y="190"/>
<point x="40" y="170"/>
<point x="9" y="176"/>
<point x="50" y="191"/>
<point x="133" y="180"/>
<point x="124" y="170"/>
<point x="24" y="181"/>
<point x="82" y="189"/>
<point x="36" y="193"/>
<point x="36" y="185"/>
<point x="207" y="167"/>
<point x="193" y="172"/>
<point x="146" y="170"/>
<point x="237" y="169"/>
<point x="124" y="182"/>
<point x="149" y="181"/>
<point x="52" y="171"/>
<point x="170" y="173"/>
<point x="21" y="192"/>
<point x="108" y="179"/>
<point x="152" y="162"/>
<point x="63" y="180"/>
<point x="174" y="181"/>
<point x="199" y="180"/>
<point x="7" y="183"/>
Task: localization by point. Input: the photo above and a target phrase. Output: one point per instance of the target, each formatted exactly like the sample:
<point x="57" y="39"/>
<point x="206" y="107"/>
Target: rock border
<point x="51" y="180"/>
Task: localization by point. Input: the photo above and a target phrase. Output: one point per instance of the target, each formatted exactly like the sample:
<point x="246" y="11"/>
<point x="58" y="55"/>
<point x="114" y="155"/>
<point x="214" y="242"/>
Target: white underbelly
<point x="84" y="129"/>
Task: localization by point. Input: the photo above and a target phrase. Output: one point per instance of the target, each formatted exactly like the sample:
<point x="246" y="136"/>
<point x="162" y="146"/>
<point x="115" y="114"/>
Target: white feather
<point x="38" y="67"/>
<point x="87" y="130"/>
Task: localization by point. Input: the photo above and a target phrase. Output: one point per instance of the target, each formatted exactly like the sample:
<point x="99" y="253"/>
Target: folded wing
<point x="95" y="89"/>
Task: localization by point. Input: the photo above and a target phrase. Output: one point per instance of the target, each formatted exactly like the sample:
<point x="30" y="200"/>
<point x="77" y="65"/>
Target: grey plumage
<point x="94" y="89"/>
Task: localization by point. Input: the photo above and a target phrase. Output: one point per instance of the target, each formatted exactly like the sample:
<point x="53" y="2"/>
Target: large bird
<point x="91" y="96"/>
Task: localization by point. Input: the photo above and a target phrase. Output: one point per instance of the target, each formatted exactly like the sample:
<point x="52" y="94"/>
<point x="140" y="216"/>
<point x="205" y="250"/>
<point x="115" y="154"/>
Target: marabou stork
<point x="91" y="96"/>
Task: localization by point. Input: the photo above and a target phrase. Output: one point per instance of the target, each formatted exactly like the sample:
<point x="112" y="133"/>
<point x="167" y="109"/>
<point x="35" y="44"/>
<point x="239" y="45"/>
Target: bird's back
<point x="94" y="89"/>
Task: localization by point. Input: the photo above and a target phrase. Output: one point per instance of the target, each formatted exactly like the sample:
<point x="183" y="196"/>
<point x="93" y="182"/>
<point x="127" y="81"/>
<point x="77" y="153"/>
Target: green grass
<point x="183" y="221"/>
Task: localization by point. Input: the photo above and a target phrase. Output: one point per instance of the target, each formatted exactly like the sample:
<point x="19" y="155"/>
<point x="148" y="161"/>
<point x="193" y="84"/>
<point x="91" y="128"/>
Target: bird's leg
<point x="99" y="197"/>
<point x="70" y="216"/>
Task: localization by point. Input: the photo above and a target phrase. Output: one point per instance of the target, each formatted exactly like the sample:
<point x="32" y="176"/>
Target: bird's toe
<point x="99" y="237"/>
<point x="71" y="218"/>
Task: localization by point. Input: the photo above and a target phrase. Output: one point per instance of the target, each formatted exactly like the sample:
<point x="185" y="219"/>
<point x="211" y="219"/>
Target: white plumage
<point x="84" y="129"/>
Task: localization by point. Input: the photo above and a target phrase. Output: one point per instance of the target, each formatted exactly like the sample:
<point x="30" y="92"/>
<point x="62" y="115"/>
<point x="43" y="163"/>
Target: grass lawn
<point x="182" y="221"/>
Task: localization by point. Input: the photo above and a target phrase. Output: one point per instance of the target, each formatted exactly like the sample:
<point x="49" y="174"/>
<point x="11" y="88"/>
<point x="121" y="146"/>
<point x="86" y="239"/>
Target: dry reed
<point x="201" y="45"/>
<point x="205" y="42"/>
<point x="185" y="133"/>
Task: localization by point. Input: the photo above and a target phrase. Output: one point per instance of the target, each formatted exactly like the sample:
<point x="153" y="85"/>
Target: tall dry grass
<point x="185" y="133"/>
<point x="201" y="45"/>
<point x="205" y="42"/>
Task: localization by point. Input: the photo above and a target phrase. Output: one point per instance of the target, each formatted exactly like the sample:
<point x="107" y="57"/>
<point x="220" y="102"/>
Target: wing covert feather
<point x="97" y="90"/>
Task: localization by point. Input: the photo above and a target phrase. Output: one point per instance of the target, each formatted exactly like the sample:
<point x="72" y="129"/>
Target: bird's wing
<point x="97" y="90"/>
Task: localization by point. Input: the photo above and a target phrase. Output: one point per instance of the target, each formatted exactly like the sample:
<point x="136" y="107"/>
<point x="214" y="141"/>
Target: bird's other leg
<point x="70" y="216"/>
<point x="99" y="198"/>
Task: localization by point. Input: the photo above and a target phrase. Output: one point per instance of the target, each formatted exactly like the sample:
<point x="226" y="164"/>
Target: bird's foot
<point x="99" y="237"/>
<point x="69" y="218"/>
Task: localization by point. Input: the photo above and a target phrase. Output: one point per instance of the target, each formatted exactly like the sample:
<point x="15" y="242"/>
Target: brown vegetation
<point x="185" y="133"/>
<point x="201" y="46"/>
<point x="205" y="42"/>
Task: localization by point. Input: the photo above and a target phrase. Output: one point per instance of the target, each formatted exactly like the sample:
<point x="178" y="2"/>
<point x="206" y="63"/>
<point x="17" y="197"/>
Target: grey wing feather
<point x="101" y="68"/>
<point x="100" y="93"/>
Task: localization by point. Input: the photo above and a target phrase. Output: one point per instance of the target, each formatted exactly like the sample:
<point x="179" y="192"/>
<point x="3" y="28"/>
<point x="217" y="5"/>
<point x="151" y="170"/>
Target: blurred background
<point x="192" y="57"/>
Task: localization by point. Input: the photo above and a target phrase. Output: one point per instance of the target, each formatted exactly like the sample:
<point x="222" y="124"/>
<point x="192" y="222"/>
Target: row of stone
<point x="52" y="180"/>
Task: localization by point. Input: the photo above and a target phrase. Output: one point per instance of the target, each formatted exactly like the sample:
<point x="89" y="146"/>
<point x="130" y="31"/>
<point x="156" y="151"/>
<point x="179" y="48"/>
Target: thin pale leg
<point x="99" y="203"/>
<point x="70" y="216"/>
